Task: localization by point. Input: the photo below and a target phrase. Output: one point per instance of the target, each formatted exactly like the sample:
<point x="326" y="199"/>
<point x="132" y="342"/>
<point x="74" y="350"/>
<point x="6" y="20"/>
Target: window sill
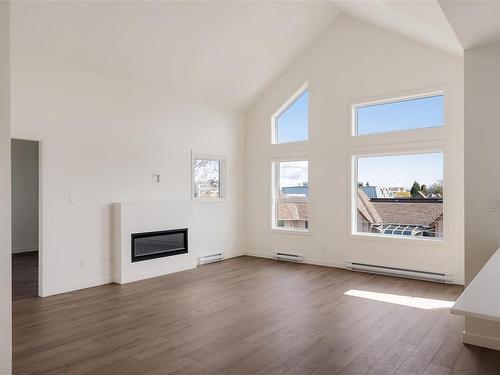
<point x="390" y="238"/>
<point x="292" y="143"/>
<point x="291" y="231"/>
<point x="209" y="200"/>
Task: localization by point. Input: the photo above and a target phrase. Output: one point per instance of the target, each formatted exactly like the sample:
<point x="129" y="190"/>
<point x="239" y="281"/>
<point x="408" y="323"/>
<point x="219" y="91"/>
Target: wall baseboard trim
<point x="329" y="263"/>
<point x="480" y="340"/>
<point x="233" y="255"/>
<point x="163" y="271"/>
<point x="307" y="260"/>
<point x="50" y="291"/>
<point x="469" y="338"/>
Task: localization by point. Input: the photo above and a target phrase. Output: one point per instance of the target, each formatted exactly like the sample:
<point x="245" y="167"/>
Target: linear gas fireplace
<point x="150" y="245"/>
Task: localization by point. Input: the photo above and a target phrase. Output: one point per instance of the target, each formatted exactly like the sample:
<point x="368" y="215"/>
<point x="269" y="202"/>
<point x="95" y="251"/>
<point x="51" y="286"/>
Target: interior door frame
<point x="41" y="263"/>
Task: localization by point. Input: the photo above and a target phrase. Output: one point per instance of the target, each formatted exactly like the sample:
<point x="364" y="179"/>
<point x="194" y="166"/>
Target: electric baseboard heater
<point x="210" y="258"/>
<point x="401" y="272"/>
<point x="288" y="257"/>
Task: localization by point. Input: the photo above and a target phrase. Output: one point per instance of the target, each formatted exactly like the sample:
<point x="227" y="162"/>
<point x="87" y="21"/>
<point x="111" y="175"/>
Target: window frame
<point x="275" y="183"/>
<point x="354" y="154"/>
<point x="387" y="99"/>
<point x="283" y="109"/>
<point x="222" y="177"/>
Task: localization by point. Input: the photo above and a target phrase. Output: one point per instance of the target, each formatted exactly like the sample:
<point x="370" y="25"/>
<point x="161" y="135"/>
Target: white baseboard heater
<point x="210" y="258"/>
<point x="401" y="272"/>
<point x="288" y="257"/>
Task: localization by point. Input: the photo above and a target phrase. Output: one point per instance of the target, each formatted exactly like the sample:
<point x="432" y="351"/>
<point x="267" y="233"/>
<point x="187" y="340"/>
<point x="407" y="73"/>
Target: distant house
<point x="293" y="207"/>
<point x="377" y="192"/>
<point x="293" y="214"/>
<point x="400" y="192"/>
<point x="301" y="190"/>
<point x="404" y="217"/>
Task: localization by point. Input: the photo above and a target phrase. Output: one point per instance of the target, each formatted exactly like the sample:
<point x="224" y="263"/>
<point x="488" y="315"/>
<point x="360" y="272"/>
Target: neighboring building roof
<point x="377" y="192"/>
<point x="399" y="211"/>
<point x="366" y="208"/>
<point x="402" y="194"/>
<point x="296" y="190"/>
<point x="295" y="208"/>
<point x="409" y="212"/>
<point x="420" y="195"/>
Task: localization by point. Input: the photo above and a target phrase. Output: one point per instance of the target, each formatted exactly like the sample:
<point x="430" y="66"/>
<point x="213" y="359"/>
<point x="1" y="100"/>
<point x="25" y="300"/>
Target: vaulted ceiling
<point x="423" y="21"/>
<point x="227" y="52"/>
<point x="476" y="23"/>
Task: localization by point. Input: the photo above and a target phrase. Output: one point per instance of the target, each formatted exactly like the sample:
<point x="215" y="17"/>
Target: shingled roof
<point x="400" y="211"/>
<point x="296" y="208"/>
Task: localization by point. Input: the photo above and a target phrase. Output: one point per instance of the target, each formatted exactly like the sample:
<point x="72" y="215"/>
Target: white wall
<point x="355" y="61"/>
<point x="482" y="173"/>
<point x="5" y="251"/>
<point x="24" y="165"/>
<point x="101" y="139"/>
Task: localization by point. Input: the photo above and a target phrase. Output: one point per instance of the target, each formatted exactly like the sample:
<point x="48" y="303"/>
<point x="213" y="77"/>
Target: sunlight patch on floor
<point x="418" y="302"/>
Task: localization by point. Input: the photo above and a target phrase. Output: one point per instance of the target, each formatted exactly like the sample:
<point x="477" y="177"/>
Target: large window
<point x="400" y="195"/>
<point x="209" y="177"/>
<point x="290" y="123"/>
<point x="399" y="114"/>
<point x="291" y="195"/>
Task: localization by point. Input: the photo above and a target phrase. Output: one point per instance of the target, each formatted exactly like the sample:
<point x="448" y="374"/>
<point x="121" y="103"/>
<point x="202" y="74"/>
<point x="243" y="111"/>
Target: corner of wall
<point x="5" y="209"/>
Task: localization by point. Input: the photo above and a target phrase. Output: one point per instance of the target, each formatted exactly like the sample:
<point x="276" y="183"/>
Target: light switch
<point x="156" y="178"/>
<point x="495" y="205"/>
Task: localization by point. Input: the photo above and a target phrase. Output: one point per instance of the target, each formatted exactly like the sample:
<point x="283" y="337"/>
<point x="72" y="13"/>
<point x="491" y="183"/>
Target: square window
<point x="398" y="115"/>
<point x="208" y="177"/>
<point x="399" y="195"/>
<point x="291" y="195"/>
<point x="290" y="124"/>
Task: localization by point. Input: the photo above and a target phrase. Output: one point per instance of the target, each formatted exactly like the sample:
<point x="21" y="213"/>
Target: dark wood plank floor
<point x="245" y="316"/>
<point x="24" y="275"/>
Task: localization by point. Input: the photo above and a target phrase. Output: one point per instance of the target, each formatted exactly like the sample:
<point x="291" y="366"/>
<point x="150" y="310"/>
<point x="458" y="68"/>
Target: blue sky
<point x="292" y="124"/>
<point x="400" y="170"/>
<point x="408" y="114"/>
<point x="293" y="173"/>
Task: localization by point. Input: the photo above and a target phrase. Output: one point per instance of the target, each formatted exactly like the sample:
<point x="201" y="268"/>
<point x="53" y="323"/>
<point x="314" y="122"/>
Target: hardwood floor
<point x="24" y="275"/>
<point x="245" y="316"/>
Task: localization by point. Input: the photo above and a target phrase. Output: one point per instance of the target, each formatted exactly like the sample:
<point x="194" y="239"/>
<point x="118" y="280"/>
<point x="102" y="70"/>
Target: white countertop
<point x="481" y="299"/>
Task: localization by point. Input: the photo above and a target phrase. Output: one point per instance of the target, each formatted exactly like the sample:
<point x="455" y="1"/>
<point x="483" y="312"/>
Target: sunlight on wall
<point x="418" y="302"/>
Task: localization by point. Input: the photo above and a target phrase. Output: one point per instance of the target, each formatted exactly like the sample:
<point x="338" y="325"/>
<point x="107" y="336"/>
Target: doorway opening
<point x="25" y="169"/>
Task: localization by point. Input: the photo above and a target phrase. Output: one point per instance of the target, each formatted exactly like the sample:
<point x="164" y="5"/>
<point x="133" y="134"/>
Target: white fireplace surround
<point x="137" y="217"/>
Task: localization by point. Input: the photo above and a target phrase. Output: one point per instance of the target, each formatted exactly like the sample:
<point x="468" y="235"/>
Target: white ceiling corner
<point x="423" y="21"/>
<point x="476" y="23"/>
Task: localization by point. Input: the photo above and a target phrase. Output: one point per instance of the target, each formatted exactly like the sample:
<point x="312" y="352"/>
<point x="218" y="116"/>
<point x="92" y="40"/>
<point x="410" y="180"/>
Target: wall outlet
<point x="83" y="265"/>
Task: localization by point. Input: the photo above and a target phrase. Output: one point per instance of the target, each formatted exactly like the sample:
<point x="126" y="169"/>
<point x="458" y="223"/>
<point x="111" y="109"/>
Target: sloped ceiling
<point x="476" y="23"/>
<point x="223" y="52"/>
<point x="423" y="21"/>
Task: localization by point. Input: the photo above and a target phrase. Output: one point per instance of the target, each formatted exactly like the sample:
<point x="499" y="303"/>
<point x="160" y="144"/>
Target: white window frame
<point x="283" y="109"/>
<point x="222" y="177"/>
<point x="411" y="142"/>
<point x="394" y="99"/>
<point x="275" y="178"/>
